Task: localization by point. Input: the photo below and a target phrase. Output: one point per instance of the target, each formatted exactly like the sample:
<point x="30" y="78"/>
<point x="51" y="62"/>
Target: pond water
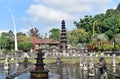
<point x="56" y="71"/>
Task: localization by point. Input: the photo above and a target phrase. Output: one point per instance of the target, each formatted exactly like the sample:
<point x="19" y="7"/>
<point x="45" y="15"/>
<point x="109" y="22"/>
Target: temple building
<point x="46" y="43"/>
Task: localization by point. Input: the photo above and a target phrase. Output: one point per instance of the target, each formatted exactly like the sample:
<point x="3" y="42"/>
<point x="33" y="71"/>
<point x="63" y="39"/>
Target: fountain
<point x="113" y="61"/>
<point x="39" y="72"/>
<point x="91" y="67"/>
<point x="85" y="63"/>
<point x="81" y="65"/>
<point x="114" y="69"/>
<point x="103" y="68"/>
<point x="6" y="64"/>
<point x="91" y="64"/>
<point x="17" y="64"/>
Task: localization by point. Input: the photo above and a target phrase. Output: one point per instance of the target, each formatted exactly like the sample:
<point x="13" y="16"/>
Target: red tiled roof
<point x="46" y="41"/>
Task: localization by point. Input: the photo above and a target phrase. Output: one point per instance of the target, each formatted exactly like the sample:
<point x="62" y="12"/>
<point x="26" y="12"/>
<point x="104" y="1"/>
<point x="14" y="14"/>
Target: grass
<point x="1" y="52"/>
<point x="73" y="60"/>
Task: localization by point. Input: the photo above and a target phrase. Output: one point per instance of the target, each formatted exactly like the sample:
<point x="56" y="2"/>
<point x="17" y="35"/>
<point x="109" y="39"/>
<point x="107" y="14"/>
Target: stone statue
<point x="102" y="68"/>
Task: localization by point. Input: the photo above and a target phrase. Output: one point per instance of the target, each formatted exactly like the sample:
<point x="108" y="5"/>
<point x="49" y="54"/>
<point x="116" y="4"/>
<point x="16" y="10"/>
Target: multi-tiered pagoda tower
<point x="39" y="72"/>
<point x="63" y="38"/>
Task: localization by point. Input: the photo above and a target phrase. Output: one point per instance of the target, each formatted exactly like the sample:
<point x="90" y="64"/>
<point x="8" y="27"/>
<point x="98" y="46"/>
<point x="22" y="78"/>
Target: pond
<point x="56" y="71"/>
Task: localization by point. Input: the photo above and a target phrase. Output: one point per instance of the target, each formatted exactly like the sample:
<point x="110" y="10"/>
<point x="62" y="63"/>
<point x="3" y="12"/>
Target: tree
<point x="20" y="33"/>
<point x="24" y="42"/>
<point x="117" y="38"/>
<point x="98" y="26"/>
<point x="99" y="17"/>
<point x="86" y="23"/>
<point x="34" y="32"/>
<point x="109" y="13"/>
<point x="54" y="34"/>
<point x="25" y="45"/>
<point x="6" y="40"/>
<point x="77" y="36"/>
<point x="118" y="9"/>
<point x="11" y="34"/>
<point x="108" y="27"/>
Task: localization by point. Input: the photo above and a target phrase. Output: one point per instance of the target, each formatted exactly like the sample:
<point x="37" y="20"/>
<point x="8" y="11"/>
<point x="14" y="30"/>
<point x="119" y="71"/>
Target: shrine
<point x="63" y="38"/>
<point x="39" y="72"/>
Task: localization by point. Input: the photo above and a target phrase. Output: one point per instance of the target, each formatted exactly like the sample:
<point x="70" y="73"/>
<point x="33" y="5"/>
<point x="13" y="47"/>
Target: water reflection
<point x="62" y="71"/>
<point x="6" y="72"/>
<point x="81" y="74"/>
<point x="114" y="69"/>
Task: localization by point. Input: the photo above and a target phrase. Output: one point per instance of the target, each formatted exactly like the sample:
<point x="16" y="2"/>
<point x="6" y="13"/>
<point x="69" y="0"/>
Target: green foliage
<point x="101" y="27"/>
<point x="25" y="45"/>
<point x="54" y="34"/>
<point x="6" y="40"/>
<point x="99" y="17"/>
<point x="109" y="33"/>
<point x="118" y="8"/>
<point x="109" y="13"/>
<point x="110" y="47"/>
<point x="1" y="52"/>
<point x="20" y="33"/>
<point x="22" y="38"/>
<point x="108" y="23"/>
<point x="117" y="39"/>
<point x="85" y="23"/>
<point x="77" y="36"/>
<point x="24" y="42"/>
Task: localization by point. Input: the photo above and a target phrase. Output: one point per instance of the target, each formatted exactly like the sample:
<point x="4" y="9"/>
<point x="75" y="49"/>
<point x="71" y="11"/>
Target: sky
<point x="48" y="14"/>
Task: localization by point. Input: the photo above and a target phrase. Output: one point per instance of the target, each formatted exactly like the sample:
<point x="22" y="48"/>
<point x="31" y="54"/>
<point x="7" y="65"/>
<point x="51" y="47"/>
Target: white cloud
<point x="56" y="10"/>
<point x="67" y="5"/>
<point x="42" y="12"/>
<point x="77" y="5"/>
<point x="50" y="12"/>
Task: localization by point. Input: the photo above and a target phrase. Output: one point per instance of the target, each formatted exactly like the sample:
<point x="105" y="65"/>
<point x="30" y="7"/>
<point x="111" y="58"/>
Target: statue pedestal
<point x="39" y="74"/>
